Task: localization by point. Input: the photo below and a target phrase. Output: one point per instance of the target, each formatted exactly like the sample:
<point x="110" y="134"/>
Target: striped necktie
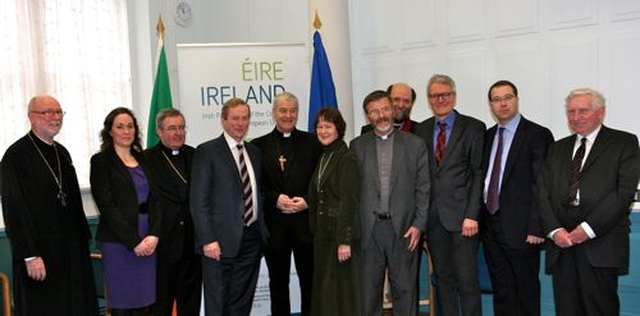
<point x="248" y="214"/>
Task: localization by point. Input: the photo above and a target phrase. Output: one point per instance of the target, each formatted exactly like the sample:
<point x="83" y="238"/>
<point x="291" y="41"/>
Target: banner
<point x="211" y="74"/>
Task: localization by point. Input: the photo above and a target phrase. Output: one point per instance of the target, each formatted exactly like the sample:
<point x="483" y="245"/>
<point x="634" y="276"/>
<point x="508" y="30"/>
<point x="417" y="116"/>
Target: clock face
<point x="183" y="13"/>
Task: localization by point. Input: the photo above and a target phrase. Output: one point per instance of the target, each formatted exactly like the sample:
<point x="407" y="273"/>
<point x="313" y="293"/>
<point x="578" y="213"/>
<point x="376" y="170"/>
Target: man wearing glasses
<point x="45" y="221"/>
<point x="179" y="274"/>
<point x="456" y="142"/>
<point x="511" y="229"/>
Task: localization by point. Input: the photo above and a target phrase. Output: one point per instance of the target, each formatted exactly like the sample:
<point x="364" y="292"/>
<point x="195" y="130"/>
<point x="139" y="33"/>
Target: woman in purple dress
<point x="128" y="227"/>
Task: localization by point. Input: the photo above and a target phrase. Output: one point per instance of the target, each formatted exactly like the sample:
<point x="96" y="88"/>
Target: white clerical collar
<point x="175" y="152"/>
<point x="385" y="136"/>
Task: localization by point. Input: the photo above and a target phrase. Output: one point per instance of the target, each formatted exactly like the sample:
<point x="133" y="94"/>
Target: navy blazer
<point x="217" y="196"/>
<point x="520" y="213"/>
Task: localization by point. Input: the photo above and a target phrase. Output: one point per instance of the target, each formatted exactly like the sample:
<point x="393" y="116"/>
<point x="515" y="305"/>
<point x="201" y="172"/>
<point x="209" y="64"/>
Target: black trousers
<point x="179" y="281"/>
<point x="513" y="272"/>
<point x="289" y="234"/>
<point x="581" y="289"/>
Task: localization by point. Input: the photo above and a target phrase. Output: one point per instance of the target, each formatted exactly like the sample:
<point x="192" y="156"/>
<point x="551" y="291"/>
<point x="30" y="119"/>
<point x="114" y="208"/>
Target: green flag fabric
<point x="161" y="98"/>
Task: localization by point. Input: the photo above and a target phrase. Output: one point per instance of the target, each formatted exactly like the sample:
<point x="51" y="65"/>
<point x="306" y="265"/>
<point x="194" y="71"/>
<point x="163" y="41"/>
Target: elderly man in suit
<point x="511" y="231"/>
<point x="179" y="270"/>
<point x="393" y="207"/>
<point x="227" y="212"/>
<point x="586" y="190"/>
<point x="456" y="143"/>
<point x="402" y="97"/>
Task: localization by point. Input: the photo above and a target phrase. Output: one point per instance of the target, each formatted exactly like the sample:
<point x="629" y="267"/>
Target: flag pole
<point x="161" y="97"/>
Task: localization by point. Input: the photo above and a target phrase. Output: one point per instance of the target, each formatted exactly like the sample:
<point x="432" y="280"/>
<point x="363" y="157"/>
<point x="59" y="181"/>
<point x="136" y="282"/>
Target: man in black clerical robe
<point x="289" y="157"/>
<point x="45" y="221"/>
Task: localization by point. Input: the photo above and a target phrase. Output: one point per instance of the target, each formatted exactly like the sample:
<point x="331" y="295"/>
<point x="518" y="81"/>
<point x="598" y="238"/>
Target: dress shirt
<point x="507" y="138"/>
<point x="450" y="120"/>
<point x="236" y="156"/>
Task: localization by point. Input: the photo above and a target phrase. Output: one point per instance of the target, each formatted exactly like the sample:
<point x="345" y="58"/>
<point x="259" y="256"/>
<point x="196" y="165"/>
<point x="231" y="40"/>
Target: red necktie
<point x="441" y="143"/>
<point x="493" y="192"/>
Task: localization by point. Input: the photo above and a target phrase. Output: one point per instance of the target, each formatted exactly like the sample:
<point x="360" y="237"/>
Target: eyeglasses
<point x="506" y="97"/>
<point x="386" y="109"/>
<point x="50" y="114"/>
<point x="444" y="96"/>
<point x="175" y="128"/>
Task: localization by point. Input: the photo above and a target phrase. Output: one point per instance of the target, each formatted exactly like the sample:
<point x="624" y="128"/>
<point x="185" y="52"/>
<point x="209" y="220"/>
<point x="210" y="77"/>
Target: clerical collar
<point x="385" y="136"/>
<point x="285" y="135"/>
<point x="173" y="152"/>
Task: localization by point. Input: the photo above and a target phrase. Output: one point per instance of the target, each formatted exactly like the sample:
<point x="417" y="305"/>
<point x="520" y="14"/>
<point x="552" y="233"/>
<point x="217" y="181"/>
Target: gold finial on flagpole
<point x="160" y="27"/>
<point x="316" y="21"/>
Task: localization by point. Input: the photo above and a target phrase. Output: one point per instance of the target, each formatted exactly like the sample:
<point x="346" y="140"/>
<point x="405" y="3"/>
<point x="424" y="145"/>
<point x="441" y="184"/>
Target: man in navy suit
<point x="456" y="143"/>
<point x="515" y="149"/>
<point x="586" y="189"/>
<point x="227" y="213"/>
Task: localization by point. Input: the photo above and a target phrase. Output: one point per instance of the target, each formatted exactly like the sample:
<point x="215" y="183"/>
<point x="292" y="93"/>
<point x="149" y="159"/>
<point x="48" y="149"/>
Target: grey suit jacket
<point x="217" y="203"/>
<point x="456" y="184"/>
<point x="409" y="183"/>
<point x="608" y="182"/>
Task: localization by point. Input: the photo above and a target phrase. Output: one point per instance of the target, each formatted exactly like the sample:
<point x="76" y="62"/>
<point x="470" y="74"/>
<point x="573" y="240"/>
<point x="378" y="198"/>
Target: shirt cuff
<point x="588" y="230"/>
<point x="550" y="235"/>
<point x="29" y="259"/>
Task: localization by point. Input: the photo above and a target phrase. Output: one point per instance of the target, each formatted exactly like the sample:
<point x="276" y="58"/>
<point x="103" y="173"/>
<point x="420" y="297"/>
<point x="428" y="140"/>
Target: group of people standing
<point x="349" y="214"/>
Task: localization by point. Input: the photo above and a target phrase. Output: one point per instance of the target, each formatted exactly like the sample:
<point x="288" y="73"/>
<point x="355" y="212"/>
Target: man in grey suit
<point x="393" y="207"/>
<point x="456" y="143"/>
<point x="227" y="213"/>
<point x="586" y="190"/>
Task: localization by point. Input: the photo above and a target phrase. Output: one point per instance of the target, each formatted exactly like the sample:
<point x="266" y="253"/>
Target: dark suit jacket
<point x="302" y="156"/>
<point x="607" y="186"/>
<point x="172" y="200"/>
<point x="409" y="183"/>
<point x="217" y="202"/>
<point x="115" y="195"/>
<point x="368" y="128"/>
<point x="520" y="212"/>
<point x="456" y="184"/>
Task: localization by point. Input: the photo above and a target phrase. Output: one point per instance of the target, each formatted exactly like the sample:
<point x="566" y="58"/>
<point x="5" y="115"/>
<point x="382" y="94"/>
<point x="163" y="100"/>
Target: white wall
<point x="546" y="48"/>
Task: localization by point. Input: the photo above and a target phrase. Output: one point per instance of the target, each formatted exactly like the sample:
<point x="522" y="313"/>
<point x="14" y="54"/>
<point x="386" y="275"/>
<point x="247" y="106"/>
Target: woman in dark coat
<point x="334" y="197"/>
<point x="128" y="227"/>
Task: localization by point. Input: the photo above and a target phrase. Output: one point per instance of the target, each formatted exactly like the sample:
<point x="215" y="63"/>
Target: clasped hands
<point x="564" y="239"/>
<point x="291" y="205"/>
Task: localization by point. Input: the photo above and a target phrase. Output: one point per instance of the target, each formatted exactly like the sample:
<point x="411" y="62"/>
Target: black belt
<point x="383" y="216"/>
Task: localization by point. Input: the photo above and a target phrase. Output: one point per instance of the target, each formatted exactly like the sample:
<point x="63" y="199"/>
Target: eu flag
<point x="323" y="91"/>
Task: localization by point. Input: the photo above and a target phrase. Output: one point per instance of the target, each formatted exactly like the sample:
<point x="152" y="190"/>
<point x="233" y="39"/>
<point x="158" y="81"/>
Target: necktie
<point x="441" y="142"/>
<point x="576" y="165"/>
<point x="493" y="192"/>
<point x="248" y="214"/>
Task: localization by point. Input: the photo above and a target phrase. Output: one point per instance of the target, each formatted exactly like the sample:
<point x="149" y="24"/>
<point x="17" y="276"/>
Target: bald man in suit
<point x="586" y="190"/>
